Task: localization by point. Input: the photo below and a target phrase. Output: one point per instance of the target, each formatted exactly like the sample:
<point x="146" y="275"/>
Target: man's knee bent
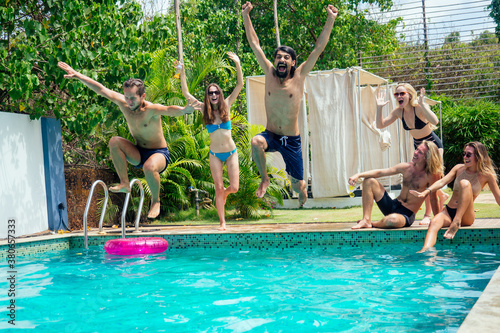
<point x="258" y="141"/>
<point x="394" y="221"/>
<point x="114" y="142"/>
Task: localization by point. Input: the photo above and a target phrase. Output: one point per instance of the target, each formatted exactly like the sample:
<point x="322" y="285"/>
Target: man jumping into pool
<point x="144" y="122"/>
<point x="425" y="168"/>
<point x="284" y="89"/>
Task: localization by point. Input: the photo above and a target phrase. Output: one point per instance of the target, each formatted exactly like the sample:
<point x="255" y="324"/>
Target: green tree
<point x="495" y="15"/>
<point x="105" y="41"/>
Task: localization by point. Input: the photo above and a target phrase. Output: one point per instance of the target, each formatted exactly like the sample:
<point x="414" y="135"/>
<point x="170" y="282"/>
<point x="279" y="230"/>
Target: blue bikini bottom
<point x="223" y="156"/>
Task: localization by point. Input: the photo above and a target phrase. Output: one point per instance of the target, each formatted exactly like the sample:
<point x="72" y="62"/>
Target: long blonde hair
<point x="433" y="159"/>
<point x="485" y="165"/>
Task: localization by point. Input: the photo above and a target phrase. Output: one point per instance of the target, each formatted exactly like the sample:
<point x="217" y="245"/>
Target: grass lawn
<point x="351" y="214"/>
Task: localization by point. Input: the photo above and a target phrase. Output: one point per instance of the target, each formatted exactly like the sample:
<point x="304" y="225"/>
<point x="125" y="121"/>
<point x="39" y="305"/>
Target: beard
<point x="279" y="74"/>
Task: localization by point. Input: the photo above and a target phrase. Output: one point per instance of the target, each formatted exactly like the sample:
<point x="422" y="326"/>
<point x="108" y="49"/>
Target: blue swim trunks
<point x="290" y="148"/>
<point x="146" y="153"/>
<point x="389" y="206"/>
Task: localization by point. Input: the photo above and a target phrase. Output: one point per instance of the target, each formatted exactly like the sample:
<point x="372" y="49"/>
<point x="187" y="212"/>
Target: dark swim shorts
<point x="146" y="153"/>
<point x="389" y="206"/>
<point x="290" y="148"/>
<point x="431" y="137"/>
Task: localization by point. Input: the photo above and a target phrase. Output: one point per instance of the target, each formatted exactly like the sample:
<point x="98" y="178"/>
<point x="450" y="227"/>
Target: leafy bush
<point x="470" y="120"/>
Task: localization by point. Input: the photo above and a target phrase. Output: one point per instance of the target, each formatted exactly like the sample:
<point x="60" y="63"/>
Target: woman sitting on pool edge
<point x="470" y="178"/>
<point x="216" y="111"/>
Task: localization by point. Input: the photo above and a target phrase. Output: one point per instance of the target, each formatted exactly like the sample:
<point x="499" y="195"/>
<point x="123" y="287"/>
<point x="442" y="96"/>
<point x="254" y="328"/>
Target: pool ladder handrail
<point x="125" y="205"/>
<point x="87" y="207"/>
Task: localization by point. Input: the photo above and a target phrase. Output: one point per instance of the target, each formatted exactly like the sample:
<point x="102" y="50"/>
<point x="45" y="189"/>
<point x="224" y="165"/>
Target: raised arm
<point x="253" y="40"/>
<point x="426" y="111"/>
<point x="174" y="110"/>
<point x="239" y="80"/>
<point x="323" y="38"/>
<point x="98" y="88"/>
<point x="184" y="86"/>
<point x="380" y="120"/>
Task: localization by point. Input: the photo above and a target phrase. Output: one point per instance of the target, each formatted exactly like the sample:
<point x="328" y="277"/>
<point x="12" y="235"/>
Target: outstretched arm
<point x="438" y="184"/>
<point x="174" y="110"/>
<point x="253" y="40"/>
<point x="381" y="121"/>
<point x="184" y="86"/>
<point x="239" y="80"/>
<point x="426" y="111"/>
<point x="323" y="38"/>
<point x="377" y="173"/>
<point x="113" y="96"/>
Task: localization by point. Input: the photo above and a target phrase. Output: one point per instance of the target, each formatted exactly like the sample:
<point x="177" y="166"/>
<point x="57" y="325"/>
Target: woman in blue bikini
<point x="418" y="119"/>
<point x="216" y="112"/>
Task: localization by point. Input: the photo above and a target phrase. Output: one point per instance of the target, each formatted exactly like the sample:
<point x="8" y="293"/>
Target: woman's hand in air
<point x="381" y="102"/>
<point x="233" y="57"/>
<point x="421" y="98"/>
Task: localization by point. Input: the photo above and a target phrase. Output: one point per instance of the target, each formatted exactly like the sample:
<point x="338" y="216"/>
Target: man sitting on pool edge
<point x="425" y="168"/>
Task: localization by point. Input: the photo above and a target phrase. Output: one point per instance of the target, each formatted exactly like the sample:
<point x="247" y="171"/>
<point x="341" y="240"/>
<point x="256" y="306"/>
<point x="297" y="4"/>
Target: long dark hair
<point x="208" y="113"/>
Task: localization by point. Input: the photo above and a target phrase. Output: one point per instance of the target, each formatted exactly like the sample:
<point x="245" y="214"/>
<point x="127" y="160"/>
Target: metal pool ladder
<point x="127" y="199"/>
<point x="125" y="205"/>
<point x="89" y="199"/>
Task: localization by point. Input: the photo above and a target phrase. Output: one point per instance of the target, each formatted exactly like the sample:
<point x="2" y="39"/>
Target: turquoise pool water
<point x="196" y="290"/>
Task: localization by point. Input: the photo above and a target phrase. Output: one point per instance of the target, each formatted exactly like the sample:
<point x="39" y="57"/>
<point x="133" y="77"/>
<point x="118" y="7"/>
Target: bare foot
<point x="222" y="227"/>
<point x="120" y="188"/>
<point x="452" y="230"/>
<point x="154" y="211"/>
<point x="362" y="224"/>
<point x="423" y="250"/>
<point x="426" y="220"/>
<point x="262" y="188"/>
<point x="302" y="198"/>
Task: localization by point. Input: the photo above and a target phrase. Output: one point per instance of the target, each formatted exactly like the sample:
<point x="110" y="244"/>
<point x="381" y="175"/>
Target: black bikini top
<point x="419" y="124"/>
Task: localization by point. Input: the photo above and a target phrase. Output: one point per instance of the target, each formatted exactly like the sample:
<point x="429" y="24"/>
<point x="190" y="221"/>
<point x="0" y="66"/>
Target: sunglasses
<point x="467" y="154"/>
<point x="213" y="93"/>
<point x="400" y="94"/>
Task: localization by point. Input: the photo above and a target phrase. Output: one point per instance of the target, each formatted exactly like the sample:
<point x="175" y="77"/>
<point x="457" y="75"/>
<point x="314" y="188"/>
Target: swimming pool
<point x="387" y="288"/>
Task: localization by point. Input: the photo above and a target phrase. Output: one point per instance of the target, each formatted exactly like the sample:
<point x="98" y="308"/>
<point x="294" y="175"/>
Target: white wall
<point x="22" y="177"/>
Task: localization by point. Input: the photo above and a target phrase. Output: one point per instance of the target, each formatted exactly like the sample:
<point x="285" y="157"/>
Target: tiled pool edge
<point x="485" y="314"/>
<point x="264" y="240"/>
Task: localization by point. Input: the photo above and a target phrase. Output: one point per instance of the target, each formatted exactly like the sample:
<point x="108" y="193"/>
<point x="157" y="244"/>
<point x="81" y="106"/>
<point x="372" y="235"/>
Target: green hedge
<point x="470" y="120"/>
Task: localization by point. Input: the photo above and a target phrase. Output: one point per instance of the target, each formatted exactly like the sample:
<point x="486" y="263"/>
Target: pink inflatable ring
<point x="140" y="245"/>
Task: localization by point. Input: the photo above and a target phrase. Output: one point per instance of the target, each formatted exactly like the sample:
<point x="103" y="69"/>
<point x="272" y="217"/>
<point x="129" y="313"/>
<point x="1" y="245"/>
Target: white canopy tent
<point x="338" y="122"/>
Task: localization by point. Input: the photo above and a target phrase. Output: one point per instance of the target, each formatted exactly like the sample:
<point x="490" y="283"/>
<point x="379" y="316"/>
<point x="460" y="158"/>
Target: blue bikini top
<point x="212" y="127"/>
<point x="419" y="124"/>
